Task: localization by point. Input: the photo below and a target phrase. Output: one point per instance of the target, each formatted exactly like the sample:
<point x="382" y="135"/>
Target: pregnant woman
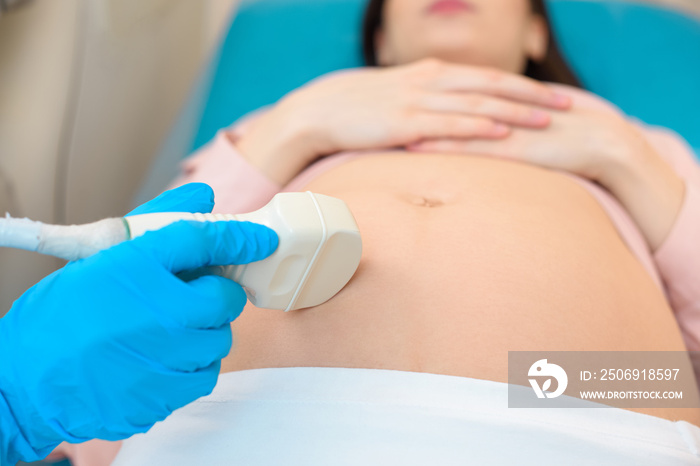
<point x="499" y="212"/>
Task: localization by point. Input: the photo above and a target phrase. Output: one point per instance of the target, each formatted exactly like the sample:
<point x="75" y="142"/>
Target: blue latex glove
<point x="111" y="344"/>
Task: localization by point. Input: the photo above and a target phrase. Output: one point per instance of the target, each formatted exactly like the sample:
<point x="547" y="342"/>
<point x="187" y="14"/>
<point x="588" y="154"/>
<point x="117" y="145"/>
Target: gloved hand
<point x="109" y="345"/>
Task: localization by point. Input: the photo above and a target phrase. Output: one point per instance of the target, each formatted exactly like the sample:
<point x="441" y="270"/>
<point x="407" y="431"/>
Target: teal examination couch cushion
<point x="643" y="58"/>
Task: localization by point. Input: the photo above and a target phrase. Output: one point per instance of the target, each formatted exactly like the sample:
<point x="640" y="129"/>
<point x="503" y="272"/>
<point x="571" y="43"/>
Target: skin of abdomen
<point x="464" y="259"/>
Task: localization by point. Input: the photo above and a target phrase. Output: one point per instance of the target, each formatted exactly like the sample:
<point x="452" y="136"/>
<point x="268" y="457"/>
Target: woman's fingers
<point x="455" y="126"/>
<point x="505" y="111"/>
<point x="462" y="146"/>
<point x="440" y="145"/>
<point x="498" y="83"/>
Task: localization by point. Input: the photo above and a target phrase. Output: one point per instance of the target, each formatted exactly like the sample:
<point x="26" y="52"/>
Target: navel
<point x="424" y="201"/>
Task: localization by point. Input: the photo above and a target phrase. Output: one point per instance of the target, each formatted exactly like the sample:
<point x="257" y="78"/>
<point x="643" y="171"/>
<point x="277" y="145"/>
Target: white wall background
<point x="88" y="91"/>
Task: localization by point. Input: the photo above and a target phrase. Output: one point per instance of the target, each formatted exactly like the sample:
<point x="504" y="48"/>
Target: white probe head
<point x="319" y="249"/>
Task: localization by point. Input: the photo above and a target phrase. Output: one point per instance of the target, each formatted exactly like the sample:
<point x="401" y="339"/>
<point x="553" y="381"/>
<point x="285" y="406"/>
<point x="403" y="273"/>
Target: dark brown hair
<point x="552" y="68"/>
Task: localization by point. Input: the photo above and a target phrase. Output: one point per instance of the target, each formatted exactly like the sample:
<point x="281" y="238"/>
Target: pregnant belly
<point x="465" y="258"/>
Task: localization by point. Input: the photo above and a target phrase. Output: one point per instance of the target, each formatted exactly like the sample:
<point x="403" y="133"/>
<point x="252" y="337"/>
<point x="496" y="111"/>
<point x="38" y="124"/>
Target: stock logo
<point x="542" y="369"/>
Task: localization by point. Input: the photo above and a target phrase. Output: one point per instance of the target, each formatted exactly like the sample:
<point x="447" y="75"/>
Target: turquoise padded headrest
<point x="643" y="58"/>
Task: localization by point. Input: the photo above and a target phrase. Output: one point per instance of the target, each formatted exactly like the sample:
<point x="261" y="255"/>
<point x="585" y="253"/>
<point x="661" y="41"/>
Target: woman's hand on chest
<point x="382" y="108"/>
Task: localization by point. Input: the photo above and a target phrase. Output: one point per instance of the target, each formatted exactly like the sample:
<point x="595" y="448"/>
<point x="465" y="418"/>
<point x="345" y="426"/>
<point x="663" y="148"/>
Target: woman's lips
<point x="450" y="6"/>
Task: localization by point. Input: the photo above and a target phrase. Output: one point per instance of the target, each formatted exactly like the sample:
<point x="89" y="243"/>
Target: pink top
<point x="675" y="266"/>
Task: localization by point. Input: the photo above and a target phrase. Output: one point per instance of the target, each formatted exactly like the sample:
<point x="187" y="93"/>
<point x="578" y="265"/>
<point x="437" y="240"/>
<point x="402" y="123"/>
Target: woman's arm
<point x="639" y="175"/>
<point x="238" y="185"/>
<point x="677" y="257"/>
<point x="678" y="260"/>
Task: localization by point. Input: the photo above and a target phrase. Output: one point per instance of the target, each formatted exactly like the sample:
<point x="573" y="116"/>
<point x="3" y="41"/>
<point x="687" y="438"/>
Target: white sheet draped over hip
<point x="340" y="416"/>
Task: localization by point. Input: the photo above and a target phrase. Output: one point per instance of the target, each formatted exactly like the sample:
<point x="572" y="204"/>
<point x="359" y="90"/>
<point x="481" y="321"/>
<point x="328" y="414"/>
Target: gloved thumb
<point x="188" y="245"/>
<point x="192" y="197"/>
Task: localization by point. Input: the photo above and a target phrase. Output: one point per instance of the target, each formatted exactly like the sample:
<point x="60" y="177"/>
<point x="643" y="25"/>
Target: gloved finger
<point x="192" y="197"/>
<point x="193" y="385"/>
<point x="189" y="350"/>
<point x="186" y="245"/>
<point x="214" y="301"/>
<point x="171" y="390"/>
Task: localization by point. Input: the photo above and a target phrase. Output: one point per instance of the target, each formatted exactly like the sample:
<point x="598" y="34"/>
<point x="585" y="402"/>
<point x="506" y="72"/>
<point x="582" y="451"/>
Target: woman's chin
<point x="458" y="55"/>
